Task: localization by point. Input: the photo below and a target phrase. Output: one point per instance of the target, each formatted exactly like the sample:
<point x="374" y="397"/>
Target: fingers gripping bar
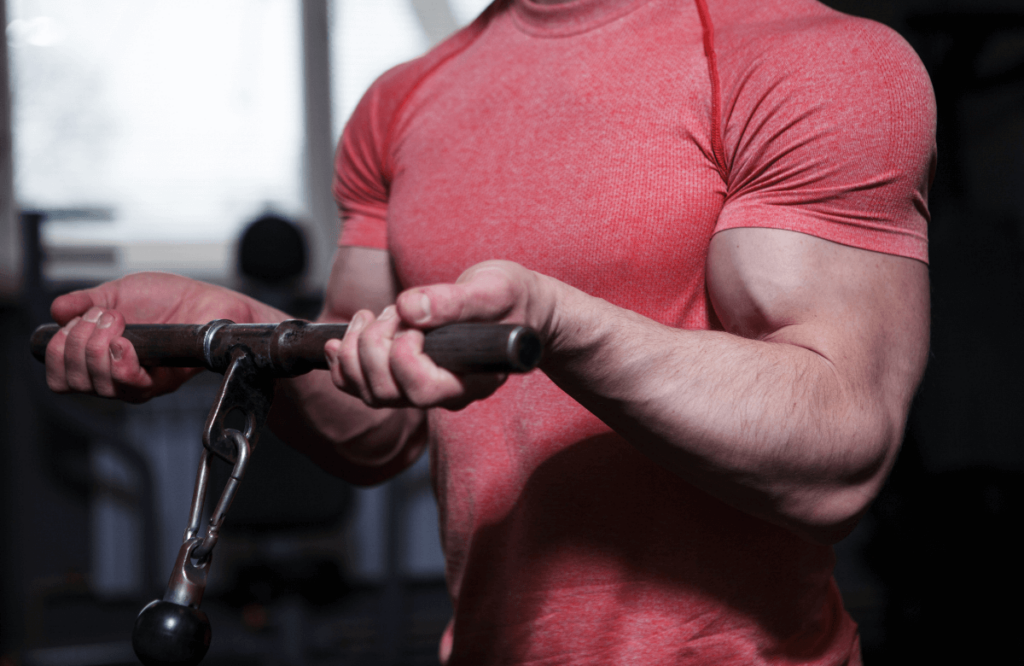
<point x="295" y="347"/>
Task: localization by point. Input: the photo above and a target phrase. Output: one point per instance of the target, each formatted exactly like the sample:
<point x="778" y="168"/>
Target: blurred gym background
<point x="196" y="136"/>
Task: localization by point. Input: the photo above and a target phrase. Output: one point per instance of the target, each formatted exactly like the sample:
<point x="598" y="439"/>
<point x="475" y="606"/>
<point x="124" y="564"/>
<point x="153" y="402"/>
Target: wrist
<point x="564" y="318"/>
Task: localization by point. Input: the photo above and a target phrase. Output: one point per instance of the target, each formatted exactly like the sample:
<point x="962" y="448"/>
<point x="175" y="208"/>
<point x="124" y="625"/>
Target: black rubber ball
<point x="167" y="634"/>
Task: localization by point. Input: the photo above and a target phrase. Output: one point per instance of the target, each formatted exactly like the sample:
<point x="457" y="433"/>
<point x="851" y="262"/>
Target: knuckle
<point x="374" y="335"/>
<point x="336" y="377"/>
<point x="373" y="353"/>
<point x="348" y="351"/>
<point x="368" y="397"/>
<point x="407" y="347"/>
<point x="124" y="376"/>
<point x="421" y="397"/>
<point x="424" y="390"/>
<point x="54" y="360"/>
<point x="348" y="367"/>
<point x="383" y="389"/>
<point x="79" y="383"/>
<point x="347" y="380"/>
<point x="57" y="384"/>
<point x="74" y="345"/>
<point x="96" y="350"/>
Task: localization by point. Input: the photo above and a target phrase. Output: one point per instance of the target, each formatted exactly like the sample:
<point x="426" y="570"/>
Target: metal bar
<point x="295" y="347"/>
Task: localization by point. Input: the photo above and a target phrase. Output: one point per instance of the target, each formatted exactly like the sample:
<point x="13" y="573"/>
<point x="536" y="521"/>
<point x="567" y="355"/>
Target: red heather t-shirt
<point x="603" y="142"/>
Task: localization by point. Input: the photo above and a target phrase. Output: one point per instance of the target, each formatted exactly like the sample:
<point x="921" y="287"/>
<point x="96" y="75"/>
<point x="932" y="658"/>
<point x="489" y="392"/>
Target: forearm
<point x="340" y="433"/>
<point x="360" y="444"/>
<point x="770" y="427"/>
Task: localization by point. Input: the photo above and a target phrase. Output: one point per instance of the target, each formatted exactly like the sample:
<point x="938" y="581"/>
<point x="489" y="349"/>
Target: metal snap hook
<point x="242" y="451"/>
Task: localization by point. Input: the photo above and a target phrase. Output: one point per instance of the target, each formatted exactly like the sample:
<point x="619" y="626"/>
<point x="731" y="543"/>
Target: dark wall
<point x="941" y="535"/>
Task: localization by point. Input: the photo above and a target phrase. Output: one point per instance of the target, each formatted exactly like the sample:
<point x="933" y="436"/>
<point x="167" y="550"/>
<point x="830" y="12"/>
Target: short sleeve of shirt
<point x="828" y="128"/>
<point x="361" y="165"/>
<point x="360" y="187"/>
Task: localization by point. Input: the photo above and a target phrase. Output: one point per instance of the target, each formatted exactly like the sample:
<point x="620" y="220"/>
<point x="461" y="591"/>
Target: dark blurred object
<point x="260" y="584"/>
<point x="273" y="262"/>
<point x="272" y="249"/>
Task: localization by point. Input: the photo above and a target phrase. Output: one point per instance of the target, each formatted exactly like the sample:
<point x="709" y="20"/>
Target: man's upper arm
<point x="362" y="278"/>
<point x="866" y="314"/>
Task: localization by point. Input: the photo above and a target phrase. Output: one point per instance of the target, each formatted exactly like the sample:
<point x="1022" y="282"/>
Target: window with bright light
<point x="160" y="124"/>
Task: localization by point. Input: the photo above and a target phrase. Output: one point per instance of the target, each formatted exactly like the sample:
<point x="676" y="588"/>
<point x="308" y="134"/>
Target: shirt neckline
<point x="569" y="18"/>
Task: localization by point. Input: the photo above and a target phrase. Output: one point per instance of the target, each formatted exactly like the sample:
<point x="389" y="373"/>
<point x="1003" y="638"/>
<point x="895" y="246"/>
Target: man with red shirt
<point x="714" y="212"/>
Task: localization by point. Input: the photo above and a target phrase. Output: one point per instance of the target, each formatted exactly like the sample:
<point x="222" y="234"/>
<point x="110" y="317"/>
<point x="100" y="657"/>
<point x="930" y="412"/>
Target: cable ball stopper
<point x="173" y="631"/>
<point x="167" y="634"/>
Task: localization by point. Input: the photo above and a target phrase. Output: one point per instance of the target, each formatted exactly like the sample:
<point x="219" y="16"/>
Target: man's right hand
<point x="338" y="432"/>
<point x="89" y="355"/>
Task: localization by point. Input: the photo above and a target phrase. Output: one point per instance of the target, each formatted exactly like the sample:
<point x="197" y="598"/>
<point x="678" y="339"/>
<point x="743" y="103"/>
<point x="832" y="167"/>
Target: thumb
<point x="73" y="304"/>
<point x="488" y="292"/>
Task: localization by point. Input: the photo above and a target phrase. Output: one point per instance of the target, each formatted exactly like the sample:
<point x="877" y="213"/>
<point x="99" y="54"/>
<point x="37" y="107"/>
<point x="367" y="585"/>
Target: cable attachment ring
<point x="246" y="391"/>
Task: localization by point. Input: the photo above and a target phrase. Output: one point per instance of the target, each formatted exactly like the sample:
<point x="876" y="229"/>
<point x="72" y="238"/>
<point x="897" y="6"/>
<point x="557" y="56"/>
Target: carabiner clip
<point x="209" y="540"/>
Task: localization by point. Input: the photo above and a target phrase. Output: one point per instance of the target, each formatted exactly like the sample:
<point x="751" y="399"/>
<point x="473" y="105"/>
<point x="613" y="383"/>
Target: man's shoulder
<point x="804" y="37"/>
<point x="791" y="59"/>
<point x="831" y="116"/>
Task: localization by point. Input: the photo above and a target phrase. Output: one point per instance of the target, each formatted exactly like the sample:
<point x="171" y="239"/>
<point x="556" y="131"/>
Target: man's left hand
<point x="381" y="358"/>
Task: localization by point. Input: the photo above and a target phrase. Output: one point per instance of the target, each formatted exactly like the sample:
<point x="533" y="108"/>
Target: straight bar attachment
<point x="295" y="347"/>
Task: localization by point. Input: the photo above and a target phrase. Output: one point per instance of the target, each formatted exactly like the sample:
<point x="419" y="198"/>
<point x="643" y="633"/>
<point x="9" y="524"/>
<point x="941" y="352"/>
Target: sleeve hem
<point x="363" y="231"/>
<point x="890" y="240"/>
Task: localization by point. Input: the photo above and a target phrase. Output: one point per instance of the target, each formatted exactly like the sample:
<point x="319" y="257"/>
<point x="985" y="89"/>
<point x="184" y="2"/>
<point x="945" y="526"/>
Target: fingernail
<point x="330" y="349"/>
<point x="93" y="315"/>
<point x="115" y="351"/>
<point x="424" y="315"/>
<point x="106" y="320"/>
<point x="71" y="324"/>
<point x="389" y="313"/>
<point x="356" y="324"/>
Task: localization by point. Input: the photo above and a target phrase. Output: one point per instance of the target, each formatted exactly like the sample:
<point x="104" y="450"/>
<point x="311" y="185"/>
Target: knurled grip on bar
<point x="295" y="347"/>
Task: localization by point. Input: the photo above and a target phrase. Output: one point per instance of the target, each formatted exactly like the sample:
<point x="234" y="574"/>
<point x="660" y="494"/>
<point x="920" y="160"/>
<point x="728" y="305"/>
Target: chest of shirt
<point x="586" y="158"/>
